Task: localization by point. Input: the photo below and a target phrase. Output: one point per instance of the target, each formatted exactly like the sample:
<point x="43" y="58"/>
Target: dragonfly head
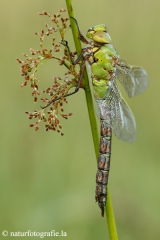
<point x="99" y="34"/>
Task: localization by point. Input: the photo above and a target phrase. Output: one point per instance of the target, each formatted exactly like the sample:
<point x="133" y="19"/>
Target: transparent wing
<point x="118" y="115"/>
<point x="134" y="79"/>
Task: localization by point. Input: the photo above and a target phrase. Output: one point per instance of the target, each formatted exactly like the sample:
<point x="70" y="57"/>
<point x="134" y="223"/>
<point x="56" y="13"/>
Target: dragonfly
<point x="114" y="114"/>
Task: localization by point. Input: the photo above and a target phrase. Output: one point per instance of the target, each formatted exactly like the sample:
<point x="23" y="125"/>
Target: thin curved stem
<point x="93" y="123"/>
<point x="89" y="100"/>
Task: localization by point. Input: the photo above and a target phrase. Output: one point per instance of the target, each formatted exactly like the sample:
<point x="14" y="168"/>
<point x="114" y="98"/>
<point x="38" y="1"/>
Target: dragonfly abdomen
<point x="103" y="165"/>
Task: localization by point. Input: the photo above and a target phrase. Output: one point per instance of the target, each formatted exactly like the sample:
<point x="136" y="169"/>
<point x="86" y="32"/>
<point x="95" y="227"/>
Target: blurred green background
<point x="47" y="181"/>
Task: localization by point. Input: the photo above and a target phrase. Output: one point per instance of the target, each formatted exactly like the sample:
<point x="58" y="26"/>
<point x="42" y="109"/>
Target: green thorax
<point x="103" y="60"/>
<point x="103" y="69"/>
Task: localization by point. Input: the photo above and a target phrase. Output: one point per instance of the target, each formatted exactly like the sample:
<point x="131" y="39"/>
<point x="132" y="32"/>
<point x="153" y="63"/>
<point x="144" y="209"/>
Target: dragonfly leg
<point x="69" y="94"/>
<point x="74" y="62"/>
<point x="81" y="37"/>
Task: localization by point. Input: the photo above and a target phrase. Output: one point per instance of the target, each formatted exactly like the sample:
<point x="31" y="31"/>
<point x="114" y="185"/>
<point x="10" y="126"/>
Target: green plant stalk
<point x="92" y="117"/>
<point x="89" y="100"/>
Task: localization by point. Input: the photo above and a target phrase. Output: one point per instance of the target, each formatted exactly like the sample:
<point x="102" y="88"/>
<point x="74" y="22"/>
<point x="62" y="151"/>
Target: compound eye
<point x="91" y="31"/>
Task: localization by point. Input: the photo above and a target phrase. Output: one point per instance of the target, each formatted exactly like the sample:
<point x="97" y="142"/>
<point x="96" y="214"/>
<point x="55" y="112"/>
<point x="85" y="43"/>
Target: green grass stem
<point x="92" y="118"/>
